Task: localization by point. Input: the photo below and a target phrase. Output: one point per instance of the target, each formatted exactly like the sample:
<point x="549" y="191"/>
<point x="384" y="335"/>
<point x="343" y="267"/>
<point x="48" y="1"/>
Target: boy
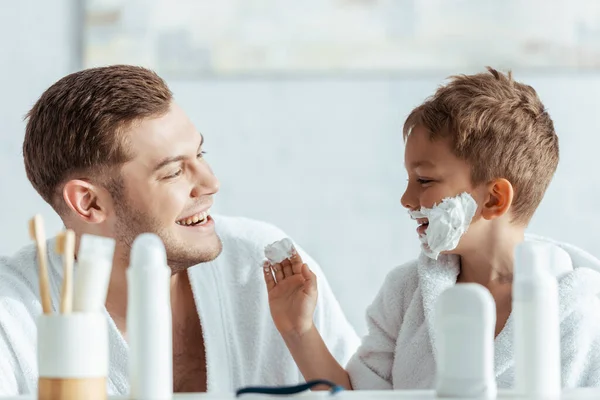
<point x="479" y="154"/>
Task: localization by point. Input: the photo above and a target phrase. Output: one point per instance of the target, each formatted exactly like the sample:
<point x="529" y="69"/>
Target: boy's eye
<point x="201" y="154"/>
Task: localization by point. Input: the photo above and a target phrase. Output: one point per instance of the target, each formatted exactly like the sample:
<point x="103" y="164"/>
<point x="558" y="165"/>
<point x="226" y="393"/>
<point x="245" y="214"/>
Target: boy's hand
<point x="292" y="295"/>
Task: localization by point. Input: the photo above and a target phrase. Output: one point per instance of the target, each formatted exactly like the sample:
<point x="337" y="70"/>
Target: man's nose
<point x="206" y="183"/>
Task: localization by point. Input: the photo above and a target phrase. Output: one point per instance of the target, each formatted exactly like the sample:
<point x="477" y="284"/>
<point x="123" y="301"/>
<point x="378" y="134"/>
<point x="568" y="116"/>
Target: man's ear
<point x="87" y="200"/>
<point x="500" y="195"/>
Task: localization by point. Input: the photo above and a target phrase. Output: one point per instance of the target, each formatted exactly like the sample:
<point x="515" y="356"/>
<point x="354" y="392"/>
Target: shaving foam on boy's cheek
<point x="448" y="221"/>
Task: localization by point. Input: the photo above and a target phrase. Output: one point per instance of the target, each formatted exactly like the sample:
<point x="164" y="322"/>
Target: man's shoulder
<point x="20" y="266"/>
<point x="19" y="299"/>
<point x="19" y="306"/>
<point x="19" y="276"/>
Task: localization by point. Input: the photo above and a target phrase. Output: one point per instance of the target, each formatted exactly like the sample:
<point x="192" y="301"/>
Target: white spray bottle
<point x="92" y="276"/>
<point x="149" y="319"/>
<point x="465" y="321"/>
<point x="536" y="319"/>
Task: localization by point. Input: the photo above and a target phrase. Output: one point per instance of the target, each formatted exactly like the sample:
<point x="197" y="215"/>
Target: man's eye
<point x="424" y="181"/>
<point x="174" y="175"/>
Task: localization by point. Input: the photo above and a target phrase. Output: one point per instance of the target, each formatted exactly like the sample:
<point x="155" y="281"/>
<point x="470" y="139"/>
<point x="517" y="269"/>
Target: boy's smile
<point x="423" y="224"/>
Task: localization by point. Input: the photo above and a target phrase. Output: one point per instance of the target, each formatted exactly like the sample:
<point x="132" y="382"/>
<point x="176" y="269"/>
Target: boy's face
<point x="435" y="173"/>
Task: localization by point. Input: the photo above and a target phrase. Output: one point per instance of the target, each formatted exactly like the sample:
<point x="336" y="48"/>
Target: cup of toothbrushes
<point x="72" y="353"/>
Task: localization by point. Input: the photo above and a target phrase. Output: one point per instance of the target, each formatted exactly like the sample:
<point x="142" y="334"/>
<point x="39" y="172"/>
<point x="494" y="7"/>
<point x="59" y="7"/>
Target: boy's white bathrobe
<point x="242" y="345"/>
<point x="397" y="352"/>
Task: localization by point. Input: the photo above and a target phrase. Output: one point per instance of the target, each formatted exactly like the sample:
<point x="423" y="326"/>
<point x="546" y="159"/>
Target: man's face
<point x="167" y="189"/>
<point x="435" y="173"/>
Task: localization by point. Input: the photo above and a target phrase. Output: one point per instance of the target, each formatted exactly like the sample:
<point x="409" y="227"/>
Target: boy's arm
<point x="314" y="360"/>
<point x="292" y="290"/>
<point x="372" y="365"/>
<point x="330" y="320"/>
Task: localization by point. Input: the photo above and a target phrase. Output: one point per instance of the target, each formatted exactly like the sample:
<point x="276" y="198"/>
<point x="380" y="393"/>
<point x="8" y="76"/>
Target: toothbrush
<point x="65" y="245"/>
<point x="36" y="232"/>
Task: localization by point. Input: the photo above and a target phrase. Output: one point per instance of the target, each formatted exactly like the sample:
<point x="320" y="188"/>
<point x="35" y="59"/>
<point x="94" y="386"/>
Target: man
<point x="114" y="155"/>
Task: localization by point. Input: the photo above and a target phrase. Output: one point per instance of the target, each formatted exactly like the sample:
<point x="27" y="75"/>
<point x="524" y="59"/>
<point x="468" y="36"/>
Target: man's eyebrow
<point x="168" y="160"/>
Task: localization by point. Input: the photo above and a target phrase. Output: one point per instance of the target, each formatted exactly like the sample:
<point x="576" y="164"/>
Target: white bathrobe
<point x="397" y="352"/>
<point x="242" y="345"/>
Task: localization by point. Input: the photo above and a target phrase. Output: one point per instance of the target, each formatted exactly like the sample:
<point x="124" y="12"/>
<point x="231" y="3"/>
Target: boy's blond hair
<point x="500" y="127"/>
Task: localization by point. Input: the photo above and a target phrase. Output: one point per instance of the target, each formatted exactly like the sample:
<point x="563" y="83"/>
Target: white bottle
<point x="536" y="319"/>
<point x="92" y="275"/>
<point x="149" y="319"/>
<point x="465" y="321"/>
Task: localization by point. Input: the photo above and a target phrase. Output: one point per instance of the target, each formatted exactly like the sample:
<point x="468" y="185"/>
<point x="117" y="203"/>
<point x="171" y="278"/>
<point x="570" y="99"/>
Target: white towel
<point x="397" y="352"/>
<point x="242" y="345"/>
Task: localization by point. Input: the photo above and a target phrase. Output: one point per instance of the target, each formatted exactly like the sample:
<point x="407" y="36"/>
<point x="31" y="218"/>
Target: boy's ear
<point x="499" y="199"/>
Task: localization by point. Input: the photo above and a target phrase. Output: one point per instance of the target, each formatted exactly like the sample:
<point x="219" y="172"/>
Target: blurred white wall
<point x="321" y="158"/>
<point x="36" y="44"/>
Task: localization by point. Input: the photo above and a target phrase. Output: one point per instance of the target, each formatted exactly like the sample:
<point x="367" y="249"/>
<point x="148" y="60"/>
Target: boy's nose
<point x="409" y="201"/>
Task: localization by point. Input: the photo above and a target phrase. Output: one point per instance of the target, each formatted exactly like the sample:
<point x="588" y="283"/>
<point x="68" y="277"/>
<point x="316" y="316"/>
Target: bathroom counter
<point x="577" y="394"/>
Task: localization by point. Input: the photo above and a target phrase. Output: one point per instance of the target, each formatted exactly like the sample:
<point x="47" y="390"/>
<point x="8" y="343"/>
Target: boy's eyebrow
<point x="422" y="163"/>
<point x="168" y="160"/>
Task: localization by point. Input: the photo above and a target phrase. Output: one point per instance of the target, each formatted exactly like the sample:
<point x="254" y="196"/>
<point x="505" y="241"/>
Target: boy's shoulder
<point x="580" y="344"/>
<point x="404" y="274"/>
<point x="400" y="284"/>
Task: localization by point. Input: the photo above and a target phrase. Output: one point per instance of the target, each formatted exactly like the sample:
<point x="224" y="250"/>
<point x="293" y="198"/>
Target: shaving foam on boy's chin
<point x="448" y="221"/>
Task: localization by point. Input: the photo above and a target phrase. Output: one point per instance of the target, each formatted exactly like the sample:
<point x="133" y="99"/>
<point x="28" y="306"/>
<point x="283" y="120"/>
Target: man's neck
<point x="182" y="298"/>
<point x="116" y="297"/>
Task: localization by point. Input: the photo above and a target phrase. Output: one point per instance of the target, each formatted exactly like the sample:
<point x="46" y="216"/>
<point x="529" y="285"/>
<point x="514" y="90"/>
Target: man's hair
<point x="76" y="128"/>
<point x="500" y="128"/>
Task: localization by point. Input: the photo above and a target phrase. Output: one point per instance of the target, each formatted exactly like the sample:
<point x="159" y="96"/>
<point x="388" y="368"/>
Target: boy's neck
<point x="491" y="262"/>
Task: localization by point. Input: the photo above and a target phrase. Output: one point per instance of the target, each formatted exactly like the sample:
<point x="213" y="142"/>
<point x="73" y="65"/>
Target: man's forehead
<point x="162" y="135"/>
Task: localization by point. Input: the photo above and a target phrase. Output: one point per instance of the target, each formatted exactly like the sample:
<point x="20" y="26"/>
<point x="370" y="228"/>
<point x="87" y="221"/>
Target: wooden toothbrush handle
<point x="66" y="294"/>
<point x="66" y="303"/>
<point x="44" y="281"/>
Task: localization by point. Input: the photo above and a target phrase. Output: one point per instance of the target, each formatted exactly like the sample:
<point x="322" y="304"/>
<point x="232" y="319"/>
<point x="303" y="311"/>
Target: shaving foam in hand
<point x="448" y="222"/>
<point x="278" y="251"/>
